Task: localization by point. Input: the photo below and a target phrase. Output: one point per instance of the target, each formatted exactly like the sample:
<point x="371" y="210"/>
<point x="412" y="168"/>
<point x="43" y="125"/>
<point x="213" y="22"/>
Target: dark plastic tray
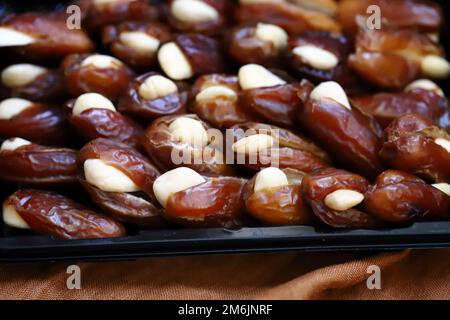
<point x="28" y="248"/>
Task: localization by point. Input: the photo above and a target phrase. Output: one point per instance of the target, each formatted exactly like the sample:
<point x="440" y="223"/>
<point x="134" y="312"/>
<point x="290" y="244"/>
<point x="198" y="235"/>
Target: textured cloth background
<point x="404" y="275"/>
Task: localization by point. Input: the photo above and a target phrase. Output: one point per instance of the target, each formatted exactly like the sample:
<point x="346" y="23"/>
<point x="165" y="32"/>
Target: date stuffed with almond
<point x="336" y="197"/>
<point x="53" y="214"/>
<point x="274" y="197"/>
<point x="120" y="181"/>
<point x="415" y="145"/>
<point x="22" y="161"/>
<point x="353" y="138"/>
<point x="401" y="198"/>
<point x="190" y="199"/>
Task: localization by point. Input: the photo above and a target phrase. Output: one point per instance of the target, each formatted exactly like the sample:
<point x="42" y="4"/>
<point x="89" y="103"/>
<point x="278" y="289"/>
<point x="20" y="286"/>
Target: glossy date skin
<point x="124" y="158"/>
<point x="291" y="18"/>
<point x="391" y="58"/>
<point x="278" y="104"/>
<point x="353" y="138"/>
<point x="245" y="47"/>
<point x="203" y="53"/>
<point x="53" y="40"/>
<point x="79" y="79"/>
<point x="47" y="87"/>
<point x="279" y="205"/>
<point x="317" y="185"/>
<point x="40" y="123"/>
<point x="401" y="198"/>
<point x="209" y="27"/>
<point x="221" y="112"/>
<point x="53" y="214"/>
<point x="404" y="14"/>
<point x="214" y="203"/>
<point x="410" y="146"/>
<point x="293" y="151"/>
<point x="40" y="165"/>
<point x="159" y="144"/>
<point x="130" y="101"/>
<point x="104" y="123"/>
<point x="338" y="45"/>
<point x="386" y="107"/>
<point x="98" y="15"/>
<point x="140" y="61"/>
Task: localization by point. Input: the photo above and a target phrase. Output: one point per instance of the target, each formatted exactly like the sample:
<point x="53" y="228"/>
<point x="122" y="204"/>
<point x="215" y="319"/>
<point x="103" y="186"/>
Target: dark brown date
<point x="214" y="203"/>
<point x="91" y="73"/>
<point x="386" y="107"/>
<point x="46" y="87"/>
<point x="187" y="17"/>
<point x="49" y="37"/>
<point x="163" y="148"/>
<point x="39" y="123"/>
<point x="277" y="104"/>
<point x="411" y="145"/>
<point x="401" y="198"/>
<point x="245" y="45"/>
<point x="290" y="17"/>
<point x="221" y="111"/>
<point x="56" y="215"/>
<point x="288" y="151"/>
<point x="318" y="185"/>
<point x="282" y="205"/>
<point x="97" y="14"/>
<point x="136" y="102"/>
<point x="123" y="43"/>
<point x="400" y="14"/>
<point x="37" y="164"/>
<point x="337" y="45"/>
<point x="353" y="138"/>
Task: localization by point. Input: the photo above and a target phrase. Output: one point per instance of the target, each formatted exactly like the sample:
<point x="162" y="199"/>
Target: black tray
<point x="28" y="248"/>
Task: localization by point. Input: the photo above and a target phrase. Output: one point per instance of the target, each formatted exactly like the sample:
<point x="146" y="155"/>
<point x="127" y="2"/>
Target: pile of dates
<point x="220" y="113"/>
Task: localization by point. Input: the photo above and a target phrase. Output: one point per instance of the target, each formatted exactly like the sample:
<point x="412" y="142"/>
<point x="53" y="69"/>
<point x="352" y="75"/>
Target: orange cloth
<point x="418" y="274"/>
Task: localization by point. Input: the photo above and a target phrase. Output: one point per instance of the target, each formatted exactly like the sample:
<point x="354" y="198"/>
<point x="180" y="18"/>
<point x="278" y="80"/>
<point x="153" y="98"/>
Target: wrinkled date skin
<point x="391" y="58"/>
<point x="291" y="18"/>
<point x="139" y="61"/>
<point x="339" y="45"/>
<point x="404" y="14"/>
<point x="316" y="186"/>
<point x="245" y="47"/>
<point x="39" y="123"/>
<point x="278" y="104"/>
<point x="47" y="87"/>
<point x="53" y="39"/>
<point x="280" y="205"/>
<point x="83" y="79"/>
<point x="291" y="150"/>
<point x="53" y="214"/>
<point x="160" y="146"/>
<point x="124" y="158"/>
<point x="351" y="137"/>
<point x="410" y="146"/>
<point x="210" y="27"/>
<point x="399" y="197"/>
<point x="134" y="209"/>
<point x="386" y="107"/>
<point x="104" y="123"/>
<point x="203" y="53"/>
<point x="38" y="164"/>
<point x="221" y="112"/>
<point x="96" y="16"/>
<point x="130" y="102"/>
<point x="214" y="203"/>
